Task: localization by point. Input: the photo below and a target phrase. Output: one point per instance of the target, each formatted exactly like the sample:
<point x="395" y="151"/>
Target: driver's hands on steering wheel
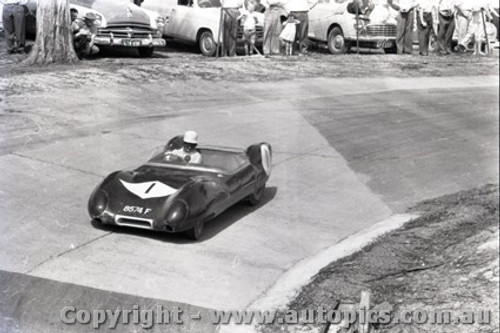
<point x="176" y="158"/>
<point x="173" y="158"/>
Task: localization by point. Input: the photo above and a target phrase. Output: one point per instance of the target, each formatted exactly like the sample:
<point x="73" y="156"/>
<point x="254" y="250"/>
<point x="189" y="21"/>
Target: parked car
<point x="172" y="195"/>
<point x="120" y="23"/>
<point x="330" y="21"/>
<point x="196" y="21"/>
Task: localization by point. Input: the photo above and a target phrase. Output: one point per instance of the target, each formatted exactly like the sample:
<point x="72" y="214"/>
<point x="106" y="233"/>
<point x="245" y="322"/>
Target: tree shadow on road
<point x="211" y="229"/>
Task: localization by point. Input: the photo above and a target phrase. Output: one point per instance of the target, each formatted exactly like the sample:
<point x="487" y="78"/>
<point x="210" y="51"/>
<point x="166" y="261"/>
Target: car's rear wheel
<point x="391" y="50"/>
<point x="197" y="231"/>
<point x="146" y="52"/>
<point x="256" y="197"/>
<point x="337" y="43"/>
<point x="207" y="44"/>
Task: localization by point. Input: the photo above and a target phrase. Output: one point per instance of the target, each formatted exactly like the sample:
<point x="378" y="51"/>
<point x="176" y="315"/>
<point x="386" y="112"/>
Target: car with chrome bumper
<point x="332" y="21"/>
<point x="119" y="23"/>
<point x="197" y="21"/>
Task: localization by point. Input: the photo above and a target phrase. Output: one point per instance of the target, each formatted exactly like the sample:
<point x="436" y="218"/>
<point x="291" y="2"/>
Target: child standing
<point x="288" y="34"/>
<point x="249" y="20"/>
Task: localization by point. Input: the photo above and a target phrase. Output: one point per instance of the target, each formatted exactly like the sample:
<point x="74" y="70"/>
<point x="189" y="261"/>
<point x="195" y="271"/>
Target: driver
<point x="188" y="152"/>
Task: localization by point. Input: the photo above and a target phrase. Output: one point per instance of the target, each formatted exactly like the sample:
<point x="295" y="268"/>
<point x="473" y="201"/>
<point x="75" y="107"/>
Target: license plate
<point x="387" y="45"/>
<point x="131" y="42"/>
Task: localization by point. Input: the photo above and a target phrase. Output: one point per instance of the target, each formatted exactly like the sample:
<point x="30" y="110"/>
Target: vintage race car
<point x="174" y="196"/>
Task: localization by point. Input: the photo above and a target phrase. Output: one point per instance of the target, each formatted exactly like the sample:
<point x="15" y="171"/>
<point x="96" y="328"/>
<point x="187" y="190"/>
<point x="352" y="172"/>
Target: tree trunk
<point x="54" y="41"/>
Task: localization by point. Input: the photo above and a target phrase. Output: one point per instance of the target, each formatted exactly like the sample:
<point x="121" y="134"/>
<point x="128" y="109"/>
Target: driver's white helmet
<point x="191" y="137"/>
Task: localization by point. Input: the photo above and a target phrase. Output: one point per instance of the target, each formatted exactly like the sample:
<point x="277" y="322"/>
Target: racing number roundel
<point x="266" y="158"/>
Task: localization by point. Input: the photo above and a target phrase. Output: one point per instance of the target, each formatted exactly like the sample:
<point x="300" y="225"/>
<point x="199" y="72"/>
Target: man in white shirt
<point x="14" y="24"/>
<point x="404" y="34"/>
<point x="188" y="153"/>
<point x="426" y="11"/>
<point x="300" y="10"/>
<point x="446" y="17"/>
<point x="231" y="10"/>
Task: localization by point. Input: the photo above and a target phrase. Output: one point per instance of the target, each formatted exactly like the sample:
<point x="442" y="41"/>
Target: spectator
<point x="462" y="18"/>
<point x="404" y="38"/>
<point x="289" y="33"/>
<point x="300" y="9"/>
<point x="14" y="24"/>
<point x="249" y="21"/>
<point x="272" y="27"/>
<point x="231" y="10"/>
<point x="425" y="13"/>
<point x="84" y="32"/>
<point x="259" y="8"/>
<point x="446" y="17"/>
<point x="475" y="28"/>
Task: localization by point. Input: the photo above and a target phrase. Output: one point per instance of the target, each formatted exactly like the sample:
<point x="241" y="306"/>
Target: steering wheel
<point x="173" y="158"/>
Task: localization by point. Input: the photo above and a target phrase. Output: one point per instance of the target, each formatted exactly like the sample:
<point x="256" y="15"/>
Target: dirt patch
<point x="183" y="63"/>
<point x="445" y="260"/>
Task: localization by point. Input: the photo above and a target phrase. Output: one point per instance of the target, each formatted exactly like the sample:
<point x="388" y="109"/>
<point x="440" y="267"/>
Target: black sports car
<point x="174" y="196"/>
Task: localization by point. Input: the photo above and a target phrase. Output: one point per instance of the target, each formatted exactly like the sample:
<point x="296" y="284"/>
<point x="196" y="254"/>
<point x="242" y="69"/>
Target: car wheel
<point x="337" y="43"/>
<point x="207" y="44"/>
<point x="146" y="52"/>
<point x="197" y="231"/>
<point x="255" y="198"/>
<point x="391" y="50"/>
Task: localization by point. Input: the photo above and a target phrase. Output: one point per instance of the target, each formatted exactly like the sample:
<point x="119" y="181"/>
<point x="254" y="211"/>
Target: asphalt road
<point x="347" y="153"/>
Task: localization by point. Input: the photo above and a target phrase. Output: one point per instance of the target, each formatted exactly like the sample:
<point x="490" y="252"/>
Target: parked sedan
<point x="333" y="22"/>
<point x="120" y="23"/>
<point x="196" y="21"/>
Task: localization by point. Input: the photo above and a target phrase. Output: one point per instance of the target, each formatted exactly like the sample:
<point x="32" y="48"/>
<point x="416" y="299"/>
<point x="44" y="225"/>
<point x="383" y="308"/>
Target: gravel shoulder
<point x="447" y="259"/>
<point x="180" y="62"/>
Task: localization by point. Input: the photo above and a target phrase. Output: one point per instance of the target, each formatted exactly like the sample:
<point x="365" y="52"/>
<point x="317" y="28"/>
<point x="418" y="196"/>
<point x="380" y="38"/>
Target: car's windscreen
<point x="218" y="160"/>
<point x="100" y="4"/>
<point x="209" y="3"/>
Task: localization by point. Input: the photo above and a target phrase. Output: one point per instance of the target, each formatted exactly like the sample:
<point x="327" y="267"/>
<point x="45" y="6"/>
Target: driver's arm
<point x="196" y="158"/>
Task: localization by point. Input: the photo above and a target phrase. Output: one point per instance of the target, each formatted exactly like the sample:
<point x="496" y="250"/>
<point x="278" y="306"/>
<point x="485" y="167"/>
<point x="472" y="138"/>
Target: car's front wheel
<point x="256" y="197"/>
<point x="337" y="43"/>
<point x="207" y="44"/>
<point x="197" y="231"/>
<point x="146" y="52"/>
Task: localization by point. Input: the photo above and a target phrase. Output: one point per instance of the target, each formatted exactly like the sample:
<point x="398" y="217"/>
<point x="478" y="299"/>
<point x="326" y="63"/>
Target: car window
<point x="185" y="2"/>
<point x="209" y="3"/>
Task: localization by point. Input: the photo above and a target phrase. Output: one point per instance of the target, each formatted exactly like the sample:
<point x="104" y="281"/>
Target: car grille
<point x="125" y="31"/>
<point x="381" y="30"/>
<point x="135" y="222"/>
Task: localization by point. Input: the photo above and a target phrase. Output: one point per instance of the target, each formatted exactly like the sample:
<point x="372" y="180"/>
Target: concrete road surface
<point x="347" y="153"/>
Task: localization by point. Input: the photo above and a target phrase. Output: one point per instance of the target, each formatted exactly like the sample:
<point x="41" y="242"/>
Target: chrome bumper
<point x="130" y="42"/>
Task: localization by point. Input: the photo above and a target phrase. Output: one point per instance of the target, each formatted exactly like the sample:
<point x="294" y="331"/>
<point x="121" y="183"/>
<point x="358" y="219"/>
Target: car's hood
<point x="116" y="12"/>
<point x="146" y="175"/>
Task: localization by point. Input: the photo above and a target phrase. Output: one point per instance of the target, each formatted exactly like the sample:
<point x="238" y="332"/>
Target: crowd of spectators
<point x="286" y="24"/>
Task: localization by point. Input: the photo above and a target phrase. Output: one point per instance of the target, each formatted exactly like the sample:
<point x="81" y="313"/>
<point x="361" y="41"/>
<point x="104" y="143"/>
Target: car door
<point x="178" y="22"/>
<point x="318" y="16"/>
